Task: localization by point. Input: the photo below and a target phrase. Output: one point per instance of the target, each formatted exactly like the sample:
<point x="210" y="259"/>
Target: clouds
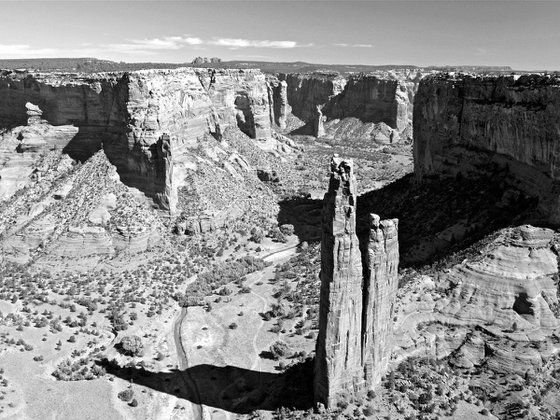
<point x="354" y="45"/>
<point x="25" y="51"/>
<point x="151" y="46"/>
<point x="235" y="43"/>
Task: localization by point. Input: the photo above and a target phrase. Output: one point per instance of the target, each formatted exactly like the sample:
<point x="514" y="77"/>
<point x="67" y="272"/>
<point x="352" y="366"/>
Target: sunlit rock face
<point x="143" y="120"/>
<point x="327" y="101"/>
<point x="498" y="308"/>
<point x="357" y="295"/>
<point x="278" y="98"/>
<point x="482" y="124"/>
<point x="380" y="287"/>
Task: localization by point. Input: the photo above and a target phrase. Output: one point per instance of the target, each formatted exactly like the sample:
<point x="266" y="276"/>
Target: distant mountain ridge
<point x="94" y="65"/>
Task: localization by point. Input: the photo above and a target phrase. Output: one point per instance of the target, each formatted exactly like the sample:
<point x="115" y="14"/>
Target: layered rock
<point x="22" y="147"/>
<point x="499" y="307"/>
<point x="366" y="99"/>
<point x="356" y="308"/>
<point x="380" y="289"/>
<point x="144" y="120"/>
<point x="480" y="124"/>
<point x="278" y="98"/>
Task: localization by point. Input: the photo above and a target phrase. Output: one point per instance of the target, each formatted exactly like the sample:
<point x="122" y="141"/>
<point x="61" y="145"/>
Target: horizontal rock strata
<point x="144" y="120"/>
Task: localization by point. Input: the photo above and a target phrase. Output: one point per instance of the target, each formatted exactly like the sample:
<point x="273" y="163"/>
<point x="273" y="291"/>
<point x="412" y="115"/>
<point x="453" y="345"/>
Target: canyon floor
<point x="225" y="322"/>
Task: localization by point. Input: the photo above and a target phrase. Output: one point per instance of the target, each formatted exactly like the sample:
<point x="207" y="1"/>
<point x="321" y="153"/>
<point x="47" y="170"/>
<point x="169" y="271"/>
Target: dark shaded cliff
<point x="479" y="125"/>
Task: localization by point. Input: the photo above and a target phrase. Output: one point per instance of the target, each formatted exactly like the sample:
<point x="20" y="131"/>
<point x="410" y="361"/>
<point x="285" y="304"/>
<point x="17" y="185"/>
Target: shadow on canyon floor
<point x="229" y="388"/>
<point x="437" y="217"/>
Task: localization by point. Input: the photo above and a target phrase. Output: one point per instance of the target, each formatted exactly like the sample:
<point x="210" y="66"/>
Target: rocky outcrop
<point x="380" y="289"/>
<point x="355" y="319"/>
<point x="476" y="125"/>
<point x="145" y="120"/>
<point x="22" y="147"/>
<point x="278" y="98"/>
<point x="499" y="307"/>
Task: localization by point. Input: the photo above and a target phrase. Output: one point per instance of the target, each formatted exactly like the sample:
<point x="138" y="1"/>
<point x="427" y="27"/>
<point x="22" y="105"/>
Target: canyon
<point x="133" y="193"/>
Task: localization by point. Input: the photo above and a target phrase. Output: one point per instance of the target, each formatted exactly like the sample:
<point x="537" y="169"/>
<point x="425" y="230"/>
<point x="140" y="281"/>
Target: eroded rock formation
<point x="355" y="318"/>
<point x="497" y="308"/>
<point x="338" y="352"/>
<point x="144" y="120"/>
<point x="364" y="100"/>
<point x="380" y="290"/>
<point x="278" y="97"/>
<point x="482" y="124"/>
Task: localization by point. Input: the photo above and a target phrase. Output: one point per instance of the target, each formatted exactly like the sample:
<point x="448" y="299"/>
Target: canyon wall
<point x="476" y="125"/>
<point x="356" y="303"/>
<point x="322" y="100"/>
<point x="143" y="120"/>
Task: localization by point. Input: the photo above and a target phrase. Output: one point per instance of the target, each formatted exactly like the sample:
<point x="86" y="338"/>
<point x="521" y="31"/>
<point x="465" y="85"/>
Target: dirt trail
<point x="190" y="384"/>
<point x="273" y="256"/>
<point x="183" y="364"/>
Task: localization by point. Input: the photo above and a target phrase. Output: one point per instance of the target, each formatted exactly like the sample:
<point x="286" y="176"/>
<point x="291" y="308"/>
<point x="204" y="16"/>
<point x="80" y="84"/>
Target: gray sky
<point x="524" y="35"/>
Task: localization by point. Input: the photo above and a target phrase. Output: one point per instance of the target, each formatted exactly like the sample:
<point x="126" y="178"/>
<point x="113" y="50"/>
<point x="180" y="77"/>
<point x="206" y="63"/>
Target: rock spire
<point x="355" y="318"/>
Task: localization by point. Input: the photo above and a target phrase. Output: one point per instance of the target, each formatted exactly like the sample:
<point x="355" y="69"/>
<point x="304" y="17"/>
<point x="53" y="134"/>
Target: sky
<point x="523" y="35"/>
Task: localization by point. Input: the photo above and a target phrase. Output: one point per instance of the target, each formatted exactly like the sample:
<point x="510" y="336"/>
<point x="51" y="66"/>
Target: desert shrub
<point x="134" y="403"/>
<point x="279" y="349"/>
<point x="233" y="326"/>
<point x="126" y="395"/>
<point x="131" y="345"/>
<point x="287" y="229"/>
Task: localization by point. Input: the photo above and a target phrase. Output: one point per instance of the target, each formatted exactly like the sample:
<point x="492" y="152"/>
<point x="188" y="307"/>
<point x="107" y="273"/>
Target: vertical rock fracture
<point x="355" y="331"/>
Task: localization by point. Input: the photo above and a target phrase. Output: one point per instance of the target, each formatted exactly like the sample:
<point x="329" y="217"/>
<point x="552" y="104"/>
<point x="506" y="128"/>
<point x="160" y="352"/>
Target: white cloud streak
<point x="150" y="46"/>
<point x="25" y="51"/>
<point x="354" y="45"/>
<point x="235" y="43"/>
<point x="144" y="47"/>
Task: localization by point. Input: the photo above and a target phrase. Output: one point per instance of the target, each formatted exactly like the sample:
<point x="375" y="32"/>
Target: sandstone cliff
<point x="145" y="120"/>
<point x="480" y="124"/>
<point x="364" y="100"/>
<point x="498" y="308"/>
<point x="356" y="304"/>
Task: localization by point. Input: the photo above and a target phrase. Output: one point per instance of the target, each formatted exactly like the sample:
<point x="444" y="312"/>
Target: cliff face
<point x="372" y="99"/>
<point x="144" y="120"/>
<point x="474" y="124"/>
<point x="355" y="319"/>
<point x="365" y="99"/>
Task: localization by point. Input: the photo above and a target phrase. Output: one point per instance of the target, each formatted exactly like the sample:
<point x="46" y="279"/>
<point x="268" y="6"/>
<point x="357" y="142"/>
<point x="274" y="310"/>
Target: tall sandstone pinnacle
<point x="338" y="351"/>
<point x="355" y="318"/>
<point x="380" y="289"/>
